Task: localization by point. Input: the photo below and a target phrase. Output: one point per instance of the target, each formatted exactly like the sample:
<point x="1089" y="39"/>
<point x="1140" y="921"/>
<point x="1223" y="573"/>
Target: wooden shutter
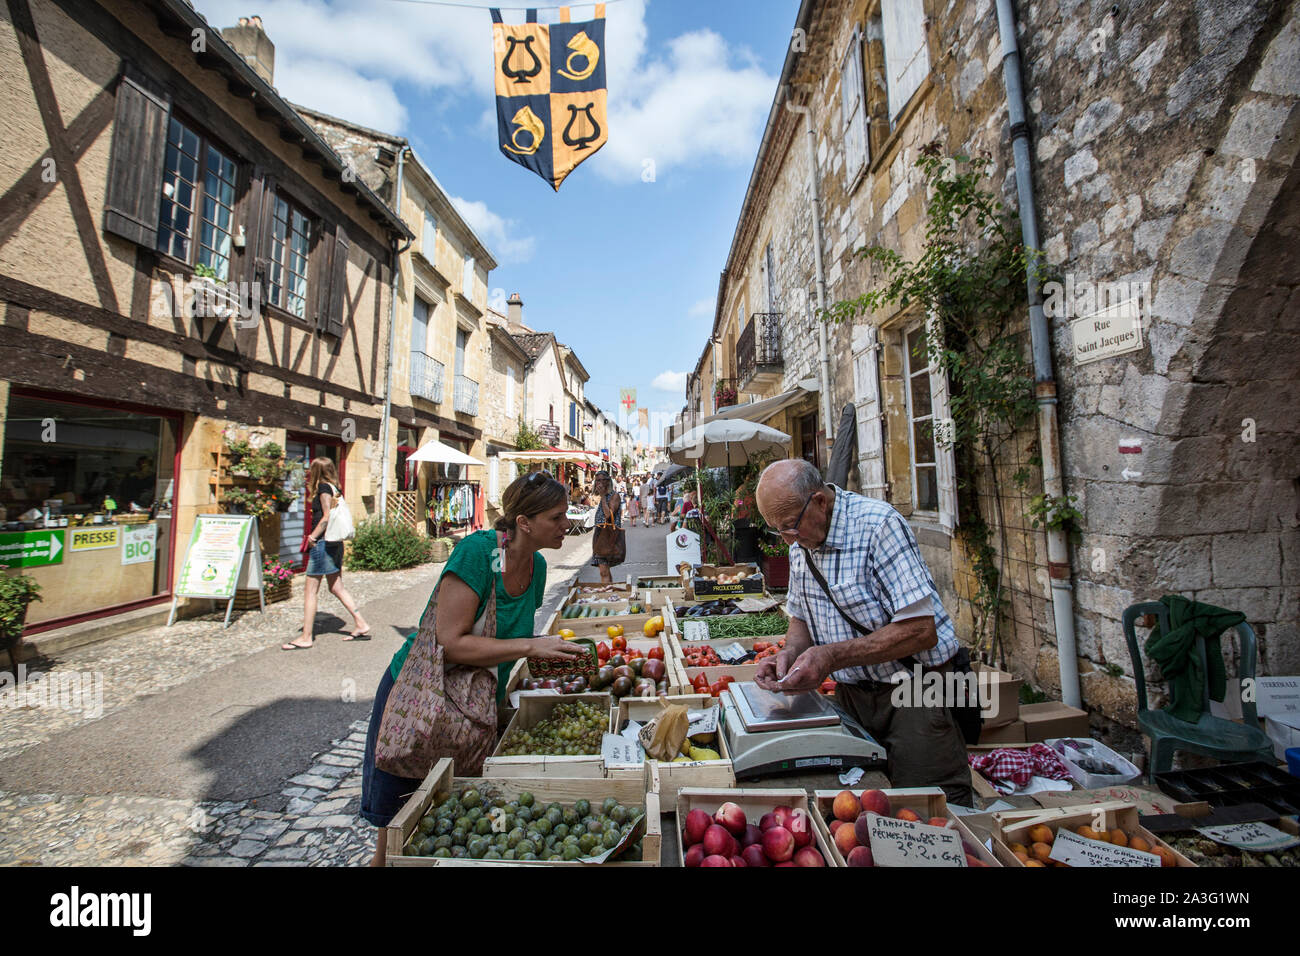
<point x="135" y="165"/>
<point x="907" y="60"/>
<point x="338" y="284"/>
<point x="853" y="111"/>
<point x="945" y="461"/>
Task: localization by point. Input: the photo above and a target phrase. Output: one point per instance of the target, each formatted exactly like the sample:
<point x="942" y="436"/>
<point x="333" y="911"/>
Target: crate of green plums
<point x="486" y="821"/>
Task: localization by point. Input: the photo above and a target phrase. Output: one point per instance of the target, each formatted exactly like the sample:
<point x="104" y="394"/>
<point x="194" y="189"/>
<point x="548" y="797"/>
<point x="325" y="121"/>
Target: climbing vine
<point x="969" y="281"/>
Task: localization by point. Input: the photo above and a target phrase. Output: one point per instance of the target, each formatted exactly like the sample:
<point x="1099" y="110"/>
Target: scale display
<point x="764" y="710"/>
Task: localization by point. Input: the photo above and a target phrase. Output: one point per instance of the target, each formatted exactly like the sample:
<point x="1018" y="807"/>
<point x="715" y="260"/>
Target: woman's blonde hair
<point x="322" y="469"/>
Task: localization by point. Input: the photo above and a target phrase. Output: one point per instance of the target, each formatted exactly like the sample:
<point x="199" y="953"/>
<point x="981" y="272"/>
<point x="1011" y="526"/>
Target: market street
<point x="217" y="748"/>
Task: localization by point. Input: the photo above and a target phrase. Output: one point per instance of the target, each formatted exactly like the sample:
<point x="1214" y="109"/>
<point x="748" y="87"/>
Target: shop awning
<point x="761" y="411"/>
<point x="542" y="455"/>
<point x="436" y="451"/>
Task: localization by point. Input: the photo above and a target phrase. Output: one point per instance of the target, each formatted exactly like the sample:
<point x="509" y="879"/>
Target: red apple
<point x="738" y="861"/>
<point x="786" y="863"/>
<point x="808" y="856"/>
<point x="718" y="842"/>
<point x="778" y="844"/>
<point x="697" y="821"/>
<point x="716" y="861"/>
<point x="752" y="835"/>
<point x="801" y="828"/>
<point x="860" y="856"/>
<point x="768" y="820"/>
<point x="695" y="855"/>
<point x="732" y="817"/>
<point x="783" y="814"/>
<point x="753" y="855"/>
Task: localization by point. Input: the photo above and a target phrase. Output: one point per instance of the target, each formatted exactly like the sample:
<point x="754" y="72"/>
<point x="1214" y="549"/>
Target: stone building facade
<point x="1163" y="139"/>
<point x="143" y="154"/>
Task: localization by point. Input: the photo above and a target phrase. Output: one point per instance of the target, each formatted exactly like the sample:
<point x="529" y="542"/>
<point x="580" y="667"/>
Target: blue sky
<point x="623" y="270"/>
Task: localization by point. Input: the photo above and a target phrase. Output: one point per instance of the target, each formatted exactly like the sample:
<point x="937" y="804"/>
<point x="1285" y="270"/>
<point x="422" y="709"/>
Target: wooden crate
<point x="595" y="627"/>
<point x="531" y="711"/>
<point x="665" y="777"/>
<point x="644" y="644"/>
<point x="928" y="802"/>
<point x="673" y="623"/>
<point x="754" y="801"/>
<point x="1013" y="826"/>
<point x="441" y="781"/>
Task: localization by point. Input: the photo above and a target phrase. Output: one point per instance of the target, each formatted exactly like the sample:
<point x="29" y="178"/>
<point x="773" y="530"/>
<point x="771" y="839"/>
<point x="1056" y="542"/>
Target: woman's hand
<point x="556" y="649"/>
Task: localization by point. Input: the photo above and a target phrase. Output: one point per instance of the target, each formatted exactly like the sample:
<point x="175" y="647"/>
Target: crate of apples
<point x="844" y="814"/>
<point x="783" y="835"/>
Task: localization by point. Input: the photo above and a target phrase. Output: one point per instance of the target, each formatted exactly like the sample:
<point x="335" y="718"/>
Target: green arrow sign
<point x="28" y="549"/>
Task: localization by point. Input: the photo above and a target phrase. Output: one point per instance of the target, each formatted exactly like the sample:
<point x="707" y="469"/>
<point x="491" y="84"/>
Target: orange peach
<point x="1041" y="851"/>
<point x="835" y="825"/>
<point x="906" y="814"/>
<point x="1088" y="833"/>
<point x="846" y="839"/>
<point x="1166" y="855"/>
<point x="846" y="806"/>
<point x="1017" y="848"/>
<point x="1137" y="843"/>
<point x="938" y="821"/>
<point x="1041" y="834"/>
<point x="1022" y="855"/>
<point x="1118" y="837"/>
<point x="1036" y="863"/>
<point x="875" y="801"/>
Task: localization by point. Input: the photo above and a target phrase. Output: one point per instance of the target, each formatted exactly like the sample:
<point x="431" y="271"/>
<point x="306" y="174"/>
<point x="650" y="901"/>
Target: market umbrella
<point x="725" y="442"/>
<point x="670" y="472"/>
<point x="438" y="452"/>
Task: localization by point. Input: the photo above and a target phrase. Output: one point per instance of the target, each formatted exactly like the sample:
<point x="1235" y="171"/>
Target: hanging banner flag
<point x="627" y="398"/>
<point x="644" y="417"/>
<point x="550" y="89"/>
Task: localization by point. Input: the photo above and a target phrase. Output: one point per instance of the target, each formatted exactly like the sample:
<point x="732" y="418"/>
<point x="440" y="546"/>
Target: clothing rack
<point x="437" y="512"/>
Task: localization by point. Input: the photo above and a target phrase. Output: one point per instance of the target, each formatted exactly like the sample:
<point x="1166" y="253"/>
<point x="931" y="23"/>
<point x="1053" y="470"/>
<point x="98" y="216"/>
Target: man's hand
<point x="772" y="669"/>
<point x="802" y="673"/>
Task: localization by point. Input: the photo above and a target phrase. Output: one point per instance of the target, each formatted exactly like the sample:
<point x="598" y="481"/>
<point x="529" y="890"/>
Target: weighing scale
<point x="772" y="734"/>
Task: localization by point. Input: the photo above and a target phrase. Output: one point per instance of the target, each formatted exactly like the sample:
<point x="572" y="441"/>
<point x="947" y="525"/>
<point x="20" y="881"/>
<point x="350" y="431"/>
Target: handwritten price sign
<point x="907" y="843"/>
<point x="1074" y="850"/>
<point x="1258" y="837"/>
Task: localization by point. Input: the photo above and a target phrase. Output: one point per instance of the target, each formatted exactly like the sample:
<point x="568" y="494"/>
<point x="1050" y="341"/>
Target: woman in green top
<point x="534" y="518"/>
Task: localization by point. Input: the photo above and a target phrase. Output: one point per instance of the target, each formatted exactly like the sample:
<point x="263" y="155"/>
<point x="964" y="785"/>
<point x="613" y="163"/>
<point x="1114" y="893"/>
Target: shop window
<point x="290" y="249"/>
<point x="101" y="481"/>
<point x="198" y="196"/>
<point x="920" y="416"/>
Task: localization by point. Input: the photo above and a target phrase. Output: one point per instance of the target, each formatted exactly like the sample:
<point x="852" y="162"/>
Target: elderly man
<point x="873" y="615"/>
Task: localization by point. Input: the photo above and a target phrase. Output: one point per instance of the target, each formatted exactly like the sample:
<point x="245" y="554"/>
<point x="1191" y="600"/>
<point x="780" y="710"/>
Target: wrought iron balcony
<point x="426" y="377"/>
<point x="465" y="399"/>
<point x="758" y="352"/>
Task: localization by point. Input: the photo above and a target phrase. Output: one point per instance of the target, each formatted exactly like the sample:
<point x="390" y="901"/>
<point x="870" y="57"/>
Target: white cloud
<point x="703" y="308"/>
<point x="670" y="381"/>
<point x="495" y="231"/>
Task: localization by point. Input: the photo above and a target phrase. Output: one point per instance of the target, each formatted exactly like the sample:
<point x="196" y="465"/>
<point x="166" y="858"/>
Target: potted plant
<point x="776" y="561"/>
<point x="17" y="591"/>
<point x="723" y="395"/>
<point x="277" y="580"/>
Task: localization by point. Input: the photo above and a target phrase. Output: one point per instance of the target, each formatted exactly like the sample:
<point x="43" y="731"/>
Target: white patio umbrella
<point x="728" y="441"/>
<point x="436" y="451"/>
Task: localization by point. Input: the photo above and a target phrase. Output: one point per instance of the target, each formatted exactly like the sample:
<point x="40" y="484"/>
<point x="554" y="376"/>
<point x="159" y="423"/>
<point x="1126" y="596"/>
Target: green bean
<point x="731" y="626"/>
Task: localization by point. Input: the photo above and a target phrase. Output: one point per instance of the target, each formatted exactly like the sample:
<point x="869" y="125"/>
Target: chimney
<point x="516" y="309"/>
<point x="250" y="41"/>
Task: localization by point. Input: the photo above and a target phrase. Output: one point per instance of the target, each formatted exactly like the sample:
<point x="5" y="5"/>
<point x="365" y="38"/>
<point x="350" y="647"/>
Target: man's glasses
<point x="794" y="531"/>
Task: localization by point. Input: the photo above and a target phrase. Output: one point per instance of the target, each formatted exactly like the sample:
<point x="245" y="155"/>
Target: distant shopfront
<point x="87" y="495"/>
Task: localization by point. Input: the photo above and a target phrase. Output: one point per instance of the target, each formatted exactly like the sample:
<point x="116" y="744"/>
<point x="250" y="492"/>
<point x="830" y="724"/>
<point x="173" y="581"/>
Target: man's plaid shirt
<point x="874" y="568"/>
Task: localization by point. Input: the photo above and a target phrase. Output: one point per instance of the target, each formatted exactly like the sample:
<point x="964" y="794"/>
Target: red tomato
<point x="602" y="651"/>
<point x="656" y="654"/>
<point x="716" y="689"/>
<point x="760" y="646"/>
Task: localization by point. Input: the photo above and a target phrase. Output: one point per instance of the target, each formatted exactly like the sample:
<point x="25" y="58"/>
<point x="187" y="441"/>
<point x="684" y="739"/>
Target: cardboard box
<point x="1000" y="693"/>
<point x="1012" y="733"/>
<point x="1283" y="735"/>
<point x="705" y="582"/>
<point x="1053" y="719"/>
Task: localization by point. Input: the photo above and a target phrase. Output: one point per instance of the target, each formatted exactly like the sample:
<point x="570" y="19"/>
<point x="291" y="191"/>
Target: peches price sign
<point x="908" y="843"/>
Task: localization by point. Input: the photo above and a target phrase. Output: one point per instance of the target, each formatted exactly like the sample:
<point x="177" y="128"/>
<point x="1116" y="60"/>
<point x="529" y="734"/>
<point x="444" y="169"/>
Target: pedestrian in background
<point x="633" y="499"/>
<point x="324" y="559"/>
<point x="609" y="545"/>
<point x="647" y="500"/>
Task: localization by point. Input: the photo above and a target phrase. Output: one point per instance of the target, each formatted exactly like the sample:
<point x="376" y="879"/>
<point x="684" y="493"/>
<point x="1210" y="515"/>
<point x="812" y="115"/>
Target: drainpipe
<point x="823" y="354"/>
<point x="392" y="341"/>
<point x="1058" y="554"/>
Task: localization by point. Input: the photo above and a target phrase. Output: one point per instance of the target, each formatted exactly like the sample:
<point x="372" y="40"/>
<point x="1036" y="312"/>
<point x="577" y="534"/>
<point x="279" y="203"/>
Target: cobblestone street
<point x="306" y="816"/>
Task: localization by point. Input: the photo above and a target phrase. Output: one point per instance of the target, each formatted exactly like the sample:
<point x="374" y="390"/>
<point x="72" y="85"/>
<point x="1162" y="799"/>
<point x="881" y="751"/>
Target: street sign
<point x="1112" y="331"/>
<point x="30" y="549"/>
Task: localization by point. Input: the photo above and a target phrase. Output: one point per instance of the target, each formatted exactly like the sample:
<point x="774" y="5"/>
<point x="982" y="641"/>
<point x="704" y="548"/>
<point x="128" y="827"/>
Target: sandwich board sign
<point x="224" y="553"/>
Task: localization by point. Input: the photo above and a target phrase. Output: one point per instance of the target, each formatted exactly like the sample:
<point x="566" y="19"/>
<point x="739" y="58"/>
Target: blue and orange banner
<point x="550" y="90"/>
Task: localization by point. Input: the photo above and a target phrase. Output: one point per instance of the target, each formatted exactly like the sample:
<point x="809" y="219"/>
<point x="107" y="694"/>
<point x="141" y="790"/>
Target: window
<point x="291" y="238"/>
<point x="420" y="326"/>
<point x="573" y="418"/>
<point x="198" y="189"/>
<point x="467" y="279"/>
<point x="461" y="341"/>
<point x="429" y="238"/>
<point x="853" y="111"/>
<point x="907" y="59"/>
<point x="920" y="414"/>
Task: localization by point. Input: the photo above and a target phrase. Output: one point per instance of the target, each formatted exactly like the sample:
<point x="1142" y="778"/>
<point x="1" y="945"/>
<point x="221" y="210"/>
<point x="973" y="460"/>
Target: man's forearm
<point x="797" y="637"/>
<point x="888" y="643"/>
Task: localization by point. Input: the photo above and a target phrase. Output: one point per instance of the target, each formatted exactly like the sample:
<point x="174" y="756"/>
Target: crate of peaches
<point x="842" y="816"/>
<point x="1101" y="834"/>
<point x="747" y="827"/>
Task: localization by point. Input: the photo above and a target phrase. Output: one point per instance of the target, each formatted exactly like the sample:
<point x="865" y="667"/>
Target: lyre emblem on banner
<point x="551" y="110"/>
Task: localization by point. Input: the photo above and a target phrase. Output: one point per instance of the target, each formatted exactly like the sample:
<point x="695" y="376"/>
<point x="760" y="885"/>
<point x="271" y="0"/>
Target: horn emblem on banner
<point x="551" y="111"/>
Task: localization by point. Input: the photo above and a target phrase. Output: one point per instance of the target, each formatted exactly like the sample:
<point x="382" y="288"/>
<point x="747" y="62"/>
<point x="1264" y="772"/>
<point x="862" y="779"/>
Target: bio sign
<point x="139" y="544"/>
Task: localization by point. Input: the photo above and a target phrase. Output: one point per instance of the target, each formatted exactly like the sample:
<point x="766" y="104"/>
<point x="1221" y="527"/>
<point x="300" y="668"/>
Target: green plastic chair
<point x="1209" y="736"/>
